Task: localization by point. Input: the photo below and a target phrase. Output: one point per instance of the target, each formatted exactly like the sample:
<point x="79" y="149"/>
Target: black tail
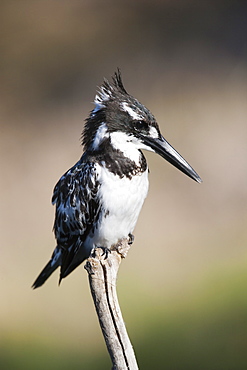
<point x="46" y="272"/>
<point x="68" y="260"/>
<point x="72" y="256"/>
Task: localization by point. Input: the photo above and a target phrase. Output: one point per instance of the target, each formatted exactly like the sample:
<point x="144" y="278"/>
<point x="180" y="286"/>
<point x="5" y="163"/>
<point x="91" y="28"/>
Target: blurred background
<point x="183" y="287"/>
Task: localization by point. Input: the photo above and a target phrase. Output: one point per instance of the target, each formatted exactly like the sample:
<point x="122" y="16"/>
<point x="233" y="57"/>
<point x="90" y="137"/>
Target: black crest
<point x="108" y="92"/>
<point x="118" y="82"/>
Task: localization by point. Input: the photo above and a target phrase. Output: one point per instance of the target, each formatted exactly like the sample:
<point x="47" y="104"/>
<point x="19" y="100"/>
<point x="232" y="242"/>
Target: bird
<point x="98" y="200"/>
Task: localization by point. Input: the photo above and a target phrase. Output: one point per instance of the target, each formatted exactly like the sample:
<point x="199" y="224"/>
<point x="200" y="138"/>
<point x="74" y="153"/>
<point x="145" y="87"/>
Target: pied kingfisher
<point x="99" y="199"/>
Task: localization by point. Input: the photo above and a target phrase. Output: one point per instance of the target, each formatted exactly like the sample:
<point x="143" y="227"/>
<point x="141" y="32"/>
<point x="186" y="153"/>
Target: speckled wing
<point x="77" y="211"/>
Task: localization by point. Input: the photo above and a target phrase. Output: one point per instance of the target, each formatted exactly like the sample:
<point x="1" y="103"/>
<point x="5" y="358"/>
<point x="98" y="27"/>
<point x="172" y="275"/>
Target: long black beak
<point x="165" y="150"/>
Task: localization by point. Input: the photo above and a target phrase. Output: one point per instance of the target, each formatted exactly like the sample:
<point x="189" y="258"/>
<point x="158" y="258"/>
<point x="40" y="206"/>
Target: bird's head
<point x="121" y="119"/>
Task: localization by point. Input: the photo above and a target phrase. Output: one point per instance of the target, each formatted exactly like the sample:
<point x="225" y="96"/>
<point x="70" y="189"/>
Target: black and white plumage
<point x="99" y="199"/>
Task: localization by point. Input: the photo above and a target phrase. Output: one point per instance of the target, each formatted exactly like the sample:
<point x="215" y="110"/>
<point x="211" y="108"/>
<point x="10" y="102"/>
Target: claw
<point x="131" y="238"/>
<point x="105" y="253"/>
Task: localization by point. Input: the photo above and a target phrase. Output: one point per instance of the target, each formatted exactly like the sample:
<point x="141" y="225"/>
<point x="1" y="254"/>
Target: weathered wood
<point x="102" y="271"/>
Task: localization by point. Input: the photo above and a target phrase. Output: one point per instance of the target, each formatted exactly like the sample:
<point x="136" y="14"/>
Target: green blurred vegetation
<point x="205" y="328"/>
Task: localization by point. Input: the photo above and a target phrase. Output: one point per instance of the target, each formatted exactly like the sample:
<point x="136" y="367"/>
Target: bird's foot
<point x="103" y="252"/>
<point x="131" y="238"/>
<point x="123" y="245"/>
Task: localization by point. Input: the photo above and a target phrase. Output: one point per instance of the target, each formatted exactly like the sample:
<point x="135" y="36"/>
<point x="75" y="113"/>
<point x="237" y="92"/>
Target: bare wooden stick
<point x="102" y="274"/>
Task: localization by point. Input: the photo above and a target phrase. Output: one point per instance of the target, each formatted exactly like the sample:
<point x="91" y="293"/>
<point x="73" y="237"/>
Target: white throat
<point x="125" y="143"/>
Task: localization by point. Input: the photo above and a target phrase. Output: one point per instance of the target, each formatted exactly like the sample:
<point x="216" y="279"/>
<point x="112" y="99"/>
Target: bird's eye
<point x="140" y="125"/>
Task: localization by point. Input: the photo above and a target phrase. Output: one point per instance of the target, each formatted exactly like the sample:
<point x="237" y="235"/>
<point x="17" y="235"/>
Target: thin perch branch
<point x="102" y="274"/>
